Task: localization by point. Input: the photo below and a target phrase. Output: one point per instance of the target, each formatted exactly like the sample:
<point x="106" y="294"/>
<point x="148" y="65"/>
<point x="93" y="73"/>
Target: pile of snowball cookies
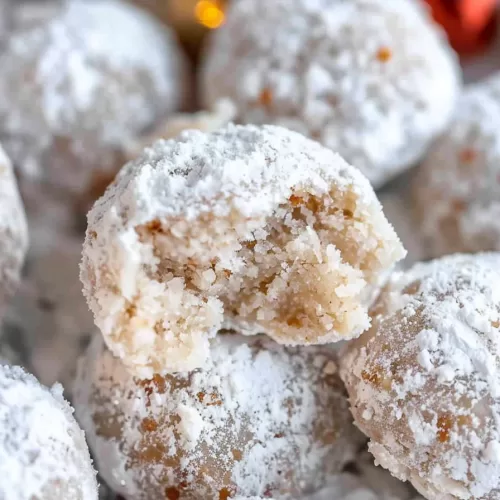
<point x="256" y="322"/>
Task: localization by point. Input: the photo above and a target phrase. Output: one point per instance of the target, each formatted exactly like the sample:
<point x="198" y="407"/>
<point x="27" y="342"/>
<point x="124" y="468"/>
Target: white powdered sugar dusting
<point x="355" y="75"/>
<point x="80" y="78"/>
<point x="256" y="165"/>
<point x="457" y="189"/>
<point x="260" y="419"/>
<point x="43" y="453"/>
<point x="256" y="228"/>
<point x="222" y="113"/>
<point x="424" y="383"/>
<point x="13" y="231"/>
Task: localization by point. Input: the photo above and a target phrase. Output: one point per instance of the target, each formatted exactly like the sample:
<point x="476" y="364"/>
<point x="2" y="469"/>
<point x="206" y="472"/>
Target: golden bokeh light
<point x="209" y="13"/>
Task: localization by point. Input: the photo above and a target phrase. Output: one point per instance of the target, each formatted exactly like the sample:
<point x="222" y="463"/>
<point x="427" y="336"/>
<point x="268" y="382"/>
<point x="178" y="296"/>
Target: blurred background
<point x="470" y="24"/>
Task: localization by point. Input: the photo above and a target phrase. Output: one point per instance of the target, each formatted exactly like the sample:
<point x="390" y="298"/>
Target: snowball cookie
<point x="259" y="419"/>
<point x="255" y="228"/>
<point x="43" y="453"/>
<point x="457" y="189"/>
<point x="424" y="382"/>
<point x="13" y="231"/>
<point x="374" y="80"/>
<point x="78" y="80"/>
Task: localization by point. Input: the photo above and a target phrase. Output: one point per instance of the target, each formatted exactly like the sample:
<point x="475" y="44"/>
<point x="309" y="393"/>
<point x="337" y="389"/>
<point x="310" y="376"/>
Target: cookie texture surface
<point x="43" y="453"/>
<point x="457" y="189"/>
<point x="259" y="420"/>
<point x="424" y="381"/>
<point x="78" y="80"/>
<point x="374" y="80"/>
<point x="256" y="228"/>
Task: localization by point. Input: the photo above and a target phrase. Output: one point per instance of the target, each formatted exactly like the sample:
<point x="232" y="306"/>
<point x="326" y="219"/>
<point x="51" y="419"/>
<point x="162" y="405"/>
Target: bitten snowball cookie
<point x="374" y="80"/>
<point x="13" y="231"/>
<point x="260" y="419"/>
<point x="457" y="189"/>
<point x="79" y="79"/>
<point x="43" y="453"/>
<point x="256" y="228"/>
<point x="424" y="383"/>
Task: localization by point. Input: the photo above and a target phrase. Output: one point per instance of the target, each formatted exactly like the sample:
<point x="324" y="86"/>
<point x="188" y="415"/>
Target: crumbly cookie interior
<point x="302" y="275"/>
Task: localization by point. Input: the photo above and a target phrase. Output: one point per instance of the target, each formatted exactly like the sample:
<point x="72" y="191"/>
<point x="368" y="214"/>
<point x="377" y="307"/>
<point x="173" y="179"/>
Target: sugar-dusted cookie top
<point x="424" y="382"/>
<point x="253" y="227"/>
<point x="374" y="80"/>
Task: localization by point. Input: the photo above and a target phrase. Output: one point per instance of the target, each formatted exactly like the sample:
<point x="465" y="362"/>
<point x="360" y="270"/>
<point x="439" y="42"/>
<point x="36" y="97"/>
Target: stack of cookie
<point x="255" y="325"/>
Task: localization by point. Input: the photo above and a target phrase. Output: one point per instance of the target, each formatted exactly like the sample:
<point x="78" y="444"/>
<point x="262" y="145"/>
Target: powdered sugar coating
<point x="457" y="190"/>
<point x="43" y="453"/>
<point x="13" y="231"/>
<point x="78" y="80"/>
<point x="260" y="419"/>
<point x="374" y="80"/>
<point x="424" y="383"/>
<point x="222" y="113"/>
<point x="250" y="227"/>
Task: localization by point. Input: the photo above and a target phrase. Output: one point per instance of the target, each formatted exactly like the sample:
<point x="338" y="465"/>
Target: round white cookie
<point x="374" y="80"/>
<point x="43" y="453"/>
<point x="457" y="189"/>
<point x="79" y="79"/>
<point x="256" y="228"/>
<point x="424" y="382"/>
<point x="259" y="419"/>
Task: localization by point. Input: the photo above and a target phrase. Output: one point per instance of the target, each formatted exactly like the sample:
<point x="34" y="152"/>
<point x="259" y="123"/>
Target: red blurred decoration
<point x="470" y="24"/>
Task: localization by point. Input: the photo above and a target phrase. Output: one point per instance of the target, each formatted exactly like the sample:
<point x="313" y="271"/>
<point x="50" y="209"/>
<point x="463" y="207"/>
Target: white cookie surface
<point x="256" y="228"/>
<point x="457" y="188"/>
<point x="259" y="420"/>
<point x="424" y="381"/>
<point x="43" y="453"/>
<point x="374" y="80"/>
